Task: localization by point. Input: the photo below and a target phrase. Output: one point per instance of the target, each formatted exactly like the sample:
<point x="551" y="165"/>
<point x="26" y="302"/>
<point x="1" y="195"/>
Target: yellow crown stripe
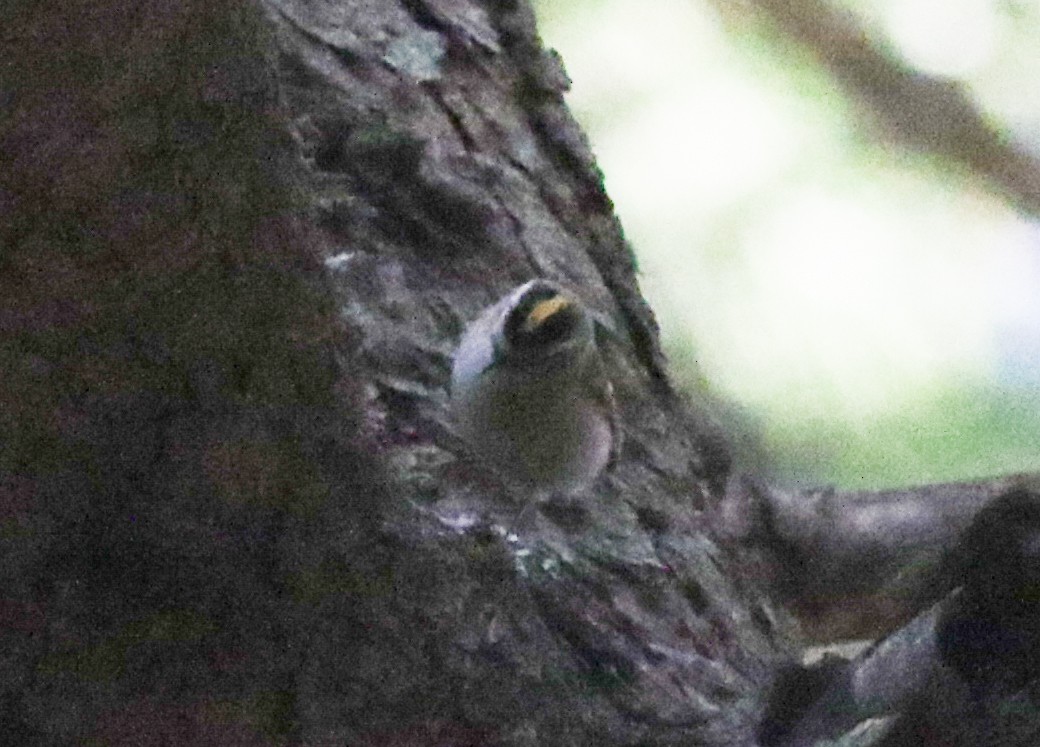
<point x="543" y="310"/>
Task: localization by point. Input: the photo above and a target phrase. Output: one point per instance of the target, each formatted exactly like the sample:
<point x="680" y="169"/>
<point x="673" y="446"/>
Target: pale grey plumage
<point x="529" y="394"/>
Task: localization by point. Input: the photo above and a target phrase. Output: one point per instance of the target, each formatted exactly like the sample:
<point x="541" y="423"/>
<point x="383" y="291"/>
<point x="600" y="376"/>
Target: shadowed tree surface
<point x="239" y="242"/>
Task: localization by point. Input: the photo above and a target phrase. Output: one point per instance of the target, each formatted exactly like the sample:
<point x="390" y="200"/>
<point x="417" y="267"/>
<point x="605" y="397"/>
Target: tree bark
<point x="240" y="241"/>
<point x="854" y="564"/>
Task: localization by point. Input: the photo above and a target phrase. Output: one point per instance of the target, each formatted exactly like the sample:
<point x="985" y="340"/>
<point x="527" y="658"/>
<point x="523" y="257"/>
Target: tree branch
<point x="925" y="113"/>
<point x="951" y="675"/>
<point x="854" y="564"/>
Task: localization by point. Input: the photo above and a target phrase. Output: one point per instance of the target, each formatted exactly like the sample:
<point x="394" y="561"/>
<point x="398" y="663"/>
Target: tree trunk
<point x="239" y="244"/>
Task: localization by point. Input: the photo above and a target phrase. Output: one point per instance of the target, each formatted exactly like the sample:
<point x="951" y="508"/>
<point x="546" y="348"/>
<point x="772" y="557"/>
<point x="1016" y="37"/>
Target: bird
<point x="529" y="392"/>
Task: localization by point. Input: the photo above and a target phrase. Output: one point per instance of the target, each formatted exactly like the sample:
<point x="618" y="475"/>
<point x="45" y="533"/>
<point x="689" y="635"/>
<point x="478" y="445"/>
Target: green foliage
<point x="954" y="434"/>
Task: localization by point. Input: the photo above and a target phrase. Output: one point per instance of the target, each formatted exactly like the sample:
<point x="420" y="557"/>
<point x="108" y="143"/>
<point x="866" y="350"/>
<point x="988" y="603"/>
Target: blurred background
<point x="834" y="209"/>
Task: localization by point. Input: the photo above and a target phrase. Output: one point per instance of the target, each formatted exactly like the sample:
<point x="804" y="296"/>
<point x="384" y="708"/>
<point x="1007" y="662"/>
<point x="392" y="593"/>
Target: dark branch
<point x="925" y="113"/>
<point x="854" y="564"/>
<point x="948" y="676"/>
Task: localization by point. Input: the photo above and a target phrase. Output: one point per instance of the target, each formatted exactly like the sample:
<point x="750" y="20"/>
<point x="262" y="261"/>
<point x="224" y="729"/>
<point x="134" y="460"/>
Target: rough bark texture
<point x="239" y="243"/>
<point x="855" y="564"/>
